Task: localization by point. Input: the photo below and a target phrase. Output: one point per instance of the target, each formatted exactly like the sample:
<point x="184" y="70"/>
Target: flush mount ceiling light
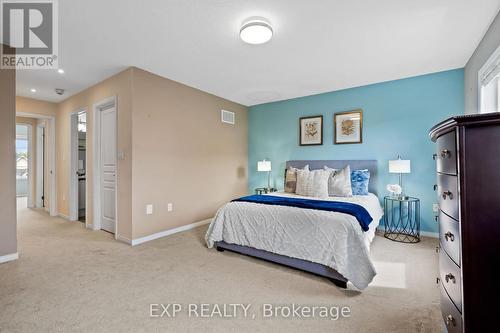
<point x="60" y="71"/>
<point x="33" y="90"/>
<point x="256" y="31"/>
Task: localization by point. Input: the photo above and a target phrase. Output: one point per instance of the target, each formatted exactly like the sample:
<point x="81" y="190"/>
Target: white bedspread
<point x="328" y="238"/>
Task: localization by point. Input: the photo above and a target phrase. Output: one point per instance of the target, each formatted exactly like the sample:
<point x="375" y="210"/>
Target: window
<point x="489" y="85"/>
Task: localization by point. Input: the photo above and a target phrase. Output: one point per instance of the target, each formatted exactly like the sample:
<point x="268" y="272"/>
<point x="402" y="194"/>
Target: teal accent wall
<point x="397" y="116"/>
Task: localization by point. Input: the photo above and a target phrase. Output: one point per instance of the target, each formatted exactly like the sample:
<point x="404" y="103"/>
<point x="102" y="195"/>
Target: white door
<point x="108" y="169"/>
<point x="40" y="166"/>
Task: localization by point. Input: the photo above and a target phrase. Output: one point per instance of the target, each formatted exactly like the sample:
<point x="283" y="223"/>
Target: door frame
<point x="96" y="145"/>
<point x="30" y="178"/>
<point x="40" y="171"/>
<point x="73" y="166"/>
<point x="51" y="163"/>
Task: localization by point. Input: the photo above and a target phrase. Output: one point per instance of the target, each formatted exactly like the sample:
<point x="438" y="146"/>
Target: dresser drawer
<point x="447" y="191"/>
<point x="450" y="276"/>
<point x="446" y="155"/>
<point x="449" y="235"/>
<point x="452" y="318"/>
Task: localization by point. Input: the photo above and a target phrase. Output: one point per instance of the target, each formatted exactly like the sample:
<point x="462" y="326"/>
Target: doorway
<point x="78" y="166"/>
<point x="43" y="187"/>
<point x="24" y="165"/>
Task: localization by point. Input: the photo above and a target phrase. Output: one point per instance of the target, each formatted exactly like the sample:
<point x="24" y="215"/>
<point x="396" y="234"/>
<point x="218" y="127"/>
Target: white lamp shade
<point x="264" y="165"/>
<point x="399" y="166"/>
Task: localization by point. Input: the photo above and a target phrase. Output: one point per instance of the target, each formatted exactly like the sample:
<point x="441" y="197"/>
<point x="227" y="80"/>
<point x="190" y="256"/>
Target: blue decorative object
<point x="359" y="182"/>
<point x="359" y="212"/>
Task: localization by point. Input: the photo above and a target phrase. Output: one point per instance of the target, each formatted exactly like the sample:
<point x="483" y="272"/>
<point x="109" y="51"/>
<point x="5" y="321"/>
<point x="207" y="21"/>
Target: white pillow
<point x="339" y="182"/>
<point x="302" y="179"/>
<point x="312" y="183"/>
<point x="291" y="178"/>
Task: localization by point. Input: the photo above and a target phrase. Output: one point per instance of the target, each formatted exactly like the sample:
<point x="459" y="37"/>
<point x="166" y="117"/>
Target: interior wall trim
<point x="168" y="232"/>
<point x="9" y="257"/>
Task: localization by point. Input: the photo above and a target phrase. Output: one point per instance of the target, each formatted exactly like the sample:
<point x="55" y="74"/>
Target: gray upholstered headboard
<point x="371" y="165"/>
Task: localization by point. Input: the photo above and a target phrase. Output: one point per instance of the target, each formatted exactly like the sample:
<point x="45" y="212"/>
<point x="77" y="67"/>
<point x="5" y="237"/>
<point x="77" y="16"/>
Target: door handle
<point x="450" y="236"/>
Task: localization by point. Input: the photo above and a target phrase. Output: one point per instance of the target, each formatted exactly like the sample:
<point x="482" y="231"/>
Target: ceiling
<point x="318" y="46"/>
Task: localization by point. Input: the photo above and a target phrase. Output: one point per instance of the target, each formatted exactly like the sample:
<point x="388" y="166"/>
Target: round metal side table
<point x="402" y="219"/>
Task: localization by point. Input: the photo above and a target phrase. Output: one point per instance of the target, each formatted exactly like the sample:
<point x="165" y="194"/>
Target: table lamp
<point x="400" y="166"/>
<point x="263" y="166"/>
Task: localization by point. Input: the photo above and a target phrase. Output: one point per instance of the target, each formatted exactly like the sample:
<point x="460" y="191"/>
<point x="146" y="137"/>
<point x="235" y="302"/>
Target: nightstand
<point x="402" y="219"/>
<point x="264" y="190"/>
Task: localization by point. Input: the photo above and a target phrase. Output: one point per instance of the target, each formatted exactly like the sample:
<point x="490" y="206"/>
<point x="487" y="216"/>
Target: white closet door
<point x="108" y="169"/>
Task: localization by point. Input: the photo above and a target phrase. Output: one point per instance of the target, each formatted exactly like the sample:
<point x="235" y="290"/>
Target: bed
<point x="325" y="243"/>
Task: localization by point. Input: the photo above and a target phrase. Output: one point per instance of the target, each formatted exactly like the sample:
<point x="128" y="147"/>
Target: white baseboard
<point x="123" y="239"/>
<point x="89" y="226"/>
<point x="161" y="234"/>
<point x="9" y="257"/>
<point x="422" y="233"/>
<point x="66" y="217"/>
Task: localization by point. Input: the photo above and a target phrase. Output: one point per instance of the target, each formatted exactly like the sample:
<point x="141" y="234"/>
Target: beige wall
<point x="176" y="150"/>
<point x="32" y="172"/>
<point x="183" y="154"/>
<point x="34" y="106"/>
<point x="119" y="85"/>
<point x="8" y="224"/>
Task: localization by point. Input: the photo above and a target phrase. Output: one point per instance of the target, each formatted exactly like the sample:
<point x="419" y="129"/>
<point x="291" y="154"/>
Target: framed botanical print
<point x="311" y="131"/>
<point x="348" y="127"/>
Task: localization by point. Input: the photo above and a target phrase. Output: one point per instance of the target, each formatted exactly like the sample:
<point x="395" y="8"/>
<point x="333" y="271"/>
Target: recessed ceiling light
<point x="33" y="90"/>
<point x="60" y="71"/>
<point x="256" y="31"/>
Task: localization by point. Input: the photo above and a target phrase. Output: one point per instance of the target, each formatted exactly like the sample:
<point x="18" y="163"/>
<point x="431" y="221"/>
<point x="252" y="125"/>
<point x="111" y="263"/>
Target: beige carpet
<point x="72" y="279"/>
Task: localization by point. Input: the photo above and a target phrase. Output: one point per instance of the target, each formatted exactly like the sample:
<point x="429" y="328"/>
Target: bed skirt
<point x="300" y="264"/>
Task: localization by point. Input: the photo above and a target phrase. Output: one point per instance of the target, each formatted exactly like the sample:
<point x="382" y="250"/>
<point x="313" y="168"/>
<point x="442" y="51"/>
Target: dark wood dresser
<point x="468" y="188"/>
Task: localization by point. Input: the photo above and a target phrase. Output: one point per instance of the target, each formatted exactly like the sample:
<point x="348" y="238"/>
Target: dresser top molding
<point x="471" y="119"/>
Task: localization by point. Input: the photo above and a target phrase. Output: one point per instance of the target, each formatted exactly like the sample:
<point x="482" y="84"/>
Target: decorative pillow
<point x="301" y="176"/>
<point x="359" y="182"/>
<point x="291" y="179"/>
<point x="318" y="183"/>
<point x="312" y="183"/>
<point x="330" y="180"/>
<point x="339" y="182"/>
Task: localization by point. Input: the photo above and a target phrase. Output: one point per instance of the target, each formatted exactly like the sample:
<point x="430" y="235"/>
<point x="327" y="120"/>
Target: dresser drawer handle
<point x="435" y="187"/>
<point x="450" y="320"/>
<point x="449" y="236"/>
<point x="445" y="153"/>
<point x="449" y="277"/>
<point x="447" y="194"/>
<point x="438" y="248"/>
<point x="434" y="156"/>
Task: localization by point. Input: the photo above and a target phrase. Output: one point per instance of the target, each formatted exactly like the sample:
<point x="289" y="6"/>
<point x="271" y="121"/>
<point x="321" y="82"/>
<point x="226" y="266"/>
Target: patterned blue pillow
<point x="359" y="182"/>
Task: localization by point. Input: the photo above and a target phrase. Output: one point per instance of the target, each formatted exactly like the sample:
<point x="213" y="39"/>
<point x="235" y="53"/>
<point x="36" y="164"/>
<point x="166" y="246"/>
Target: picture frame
<point x="311" y="131"/>
<point x="348" y="127"/>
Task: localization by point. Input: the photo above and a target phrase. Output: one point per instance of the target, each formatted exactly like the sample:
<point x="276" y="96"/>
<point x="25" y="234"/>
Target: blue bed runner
<point x="359" y="212"/>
